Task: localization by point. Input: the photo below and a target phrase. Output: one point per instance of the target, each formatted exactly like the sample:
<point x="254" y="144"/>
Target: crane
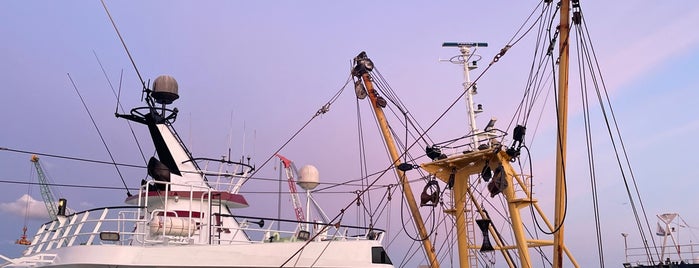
<point x="46" y="194"/>
<point x="290" y="174"/>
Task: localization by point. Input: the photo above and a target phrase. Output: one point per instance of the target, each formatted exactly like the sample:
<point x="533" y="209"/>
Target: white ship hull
<point x="276" y="254"/>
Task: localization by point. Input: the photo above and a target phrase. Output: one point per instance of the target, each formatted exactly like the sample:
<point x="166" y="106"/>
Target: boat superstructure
<point x="484" y="162"/>
<point x="674" y="251"/>
<point x="182" y="216"/>
<point x="488" y="160"/>
<point x="481" y="165"/>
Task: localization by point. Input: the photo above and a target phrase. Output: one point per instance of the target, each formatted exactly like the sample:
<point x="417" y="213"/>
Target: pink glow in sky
<point x="251" y="73"/>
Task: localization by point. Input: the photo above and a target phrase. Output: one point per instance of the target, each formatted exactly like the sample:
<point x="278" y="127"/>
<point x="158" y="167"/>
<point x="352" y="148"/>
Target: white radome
<point x="309" y="177"/>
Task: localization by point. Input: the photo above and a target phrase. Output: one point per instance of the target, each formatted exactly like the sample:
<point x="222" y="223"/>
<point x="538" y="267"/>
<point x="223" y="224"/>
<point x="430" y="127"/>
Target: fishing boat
<point x="463" y="174"/>
<point x="480" y="164"/>
<point x="183" y="216"/>
<point x="673" y="251"/>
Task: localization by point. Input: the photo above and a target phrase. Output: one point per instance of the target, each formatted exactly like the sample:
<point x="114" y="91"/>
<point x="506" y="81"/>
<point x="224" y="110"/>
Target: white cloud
<point x="660" y="44"/>
<point x="26" y="206"/>
<point x="671" y="134"/>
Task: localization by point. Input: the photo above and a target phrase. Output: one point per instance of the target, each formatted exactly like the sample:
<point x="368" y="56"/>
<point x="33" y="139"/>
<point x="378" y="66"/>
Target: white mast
<point x="470" y="89"/>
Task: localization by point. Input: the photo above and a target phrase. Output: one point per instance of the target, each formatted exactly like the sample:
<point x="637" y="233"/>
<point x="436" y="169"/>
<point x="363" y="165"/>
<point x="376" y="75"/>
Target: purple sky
<point x="254" y="72"/>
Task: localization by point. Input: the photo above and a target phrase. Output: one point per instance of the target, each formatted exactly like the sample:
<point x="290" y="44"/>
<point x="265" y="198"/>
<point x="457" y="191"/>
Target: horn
<point x="483" y="225"/>
<point x="260" y="223"/>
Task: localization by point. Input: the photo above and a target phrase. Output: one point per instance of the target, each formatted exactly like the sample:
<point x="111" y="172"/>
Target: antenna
<point x="121" y="79"/>
<point x="128" y="193"/>
<point x="464" y="44"/>
<point x="245" y="134"/>
<point x="124" y="44"/>
<point x="466" y="58"/>
<point x="230" y="135"/>
<point x="118" y="104"/>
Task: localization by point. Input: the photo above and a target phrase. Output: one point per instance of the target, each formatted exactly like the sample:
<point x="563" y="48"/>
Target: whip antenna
<point x="128" y="193"/>
<point x="124" y="44"/>
<point x="118" y="104"/>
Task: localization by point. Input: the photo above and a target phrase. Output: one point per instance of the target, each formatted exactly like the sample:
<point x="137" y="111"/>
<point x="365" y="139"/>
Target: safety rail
<point x="154" y="222"/>
<point x="460" y="145"/>
<point x="223" y="179"/>
<point x="298" y="231"/>
<point x="83" y="228"/>
<point x="33" y="261"/>
<point x="673" y="254"/>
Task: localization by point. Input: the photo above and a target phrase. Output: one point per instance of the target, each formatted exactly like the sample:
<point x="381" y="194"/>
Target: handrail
<point x="306" y="222"/>
<point x="192" y="223"/>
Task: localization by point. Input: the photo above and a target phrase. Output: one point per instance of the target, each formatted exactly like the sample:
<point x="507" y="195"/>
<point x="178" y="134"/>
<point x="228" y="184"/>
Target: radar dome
<point x="309" y="177"/>
<point x="165" y="89"/>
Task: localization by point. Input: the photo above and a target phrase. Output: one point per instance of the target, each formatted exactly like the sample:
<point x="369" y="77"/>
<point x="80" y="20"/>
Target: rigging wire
<point x="409" y="255"/>
<point x="590" y="150"/>
<point x="558" y="139"/>
<point x="627" y="163"/>
<point x="423" y="133"/>
<point x="385" y="88"/>
<point x="100" y="134"/>
<point x="324" y="109"/>
<point x="381" y="207"/>
<point x="363" y="170"/>
<point x="70" y="158"/>
<point x="64" y="185"/>
<point x="402" y="220"/>
<point x="533" y="86"/>
<point x="138" y="144"/>
<point x="317" y="191"/>
<point x="29" y="190"/>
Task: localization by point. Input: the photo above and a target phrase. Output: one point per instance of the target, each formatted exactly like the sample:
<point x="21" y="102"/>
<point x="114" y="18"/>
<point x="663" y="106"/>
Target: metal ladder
<point x="469" y="213"/>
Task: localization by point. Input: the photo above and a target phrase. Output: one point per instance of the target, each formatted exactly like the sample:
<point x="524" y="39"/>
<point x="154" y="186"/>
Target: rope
<point x="590" y="153"/>
<point x="592" y="59"/>
<point x="324" y="109"/>
<point x="69" y="158"/>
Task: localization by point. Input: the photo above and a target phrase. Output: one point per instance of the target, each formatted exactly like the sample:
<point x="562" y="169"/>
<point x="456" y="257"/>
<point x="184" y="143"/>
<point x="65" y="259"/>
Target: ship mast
<point x="469" y="89"/>
<point x="361" y="71"/>
<point x="560" y="195"/>
<point x="464" y="205"/>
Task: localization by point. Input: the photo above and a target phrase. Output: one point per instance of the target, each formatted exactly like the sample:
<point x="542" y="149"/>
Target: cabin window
<point x="378" y="255"/>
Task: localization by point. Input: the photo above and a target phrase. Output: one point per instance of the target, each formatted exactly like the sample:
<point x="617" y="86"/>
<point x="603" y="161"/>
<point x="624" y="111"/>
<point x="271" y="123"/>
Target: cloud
<point x="661" y="44"/>
<point x="26" y="206"/>
<point x="671" y="134"/>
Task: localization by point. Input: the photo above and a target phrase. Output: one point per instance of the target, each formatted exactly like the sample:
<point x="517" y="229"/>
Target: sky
<point x="251" y="73"/>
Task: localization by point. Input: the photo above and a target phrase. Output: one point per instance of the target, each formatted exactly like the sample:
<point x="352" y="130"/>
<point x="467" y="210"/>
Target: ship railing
<point x="210" y="229"/>
<point x="107" y="225"/>
<point x="33" y="261"/>
<point x="165" y="224"/>
<point x="464" y="144"/>
<point x="673" y="254"/>
<point x="262" y="230"/>
<point x="222" y="174"/>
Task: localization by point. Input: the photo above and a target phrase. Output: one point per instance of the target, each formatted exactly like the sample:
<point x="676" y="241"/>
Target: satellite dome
<point x="309" y="177"/>
<point x="165" y="89"/>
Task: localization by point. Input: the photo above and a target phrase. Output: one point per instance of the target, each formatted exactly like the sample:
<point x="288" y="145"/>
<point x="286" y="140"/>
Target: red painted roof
<point x="229" y="199"/>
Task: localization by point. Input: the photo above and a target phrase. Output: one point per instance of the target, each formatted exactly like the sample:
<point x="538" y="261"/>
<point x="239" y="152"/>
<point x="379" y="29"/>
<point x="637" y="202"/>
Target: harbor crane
<point x="290" y="170"/>
<point x="46" y="193"/>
